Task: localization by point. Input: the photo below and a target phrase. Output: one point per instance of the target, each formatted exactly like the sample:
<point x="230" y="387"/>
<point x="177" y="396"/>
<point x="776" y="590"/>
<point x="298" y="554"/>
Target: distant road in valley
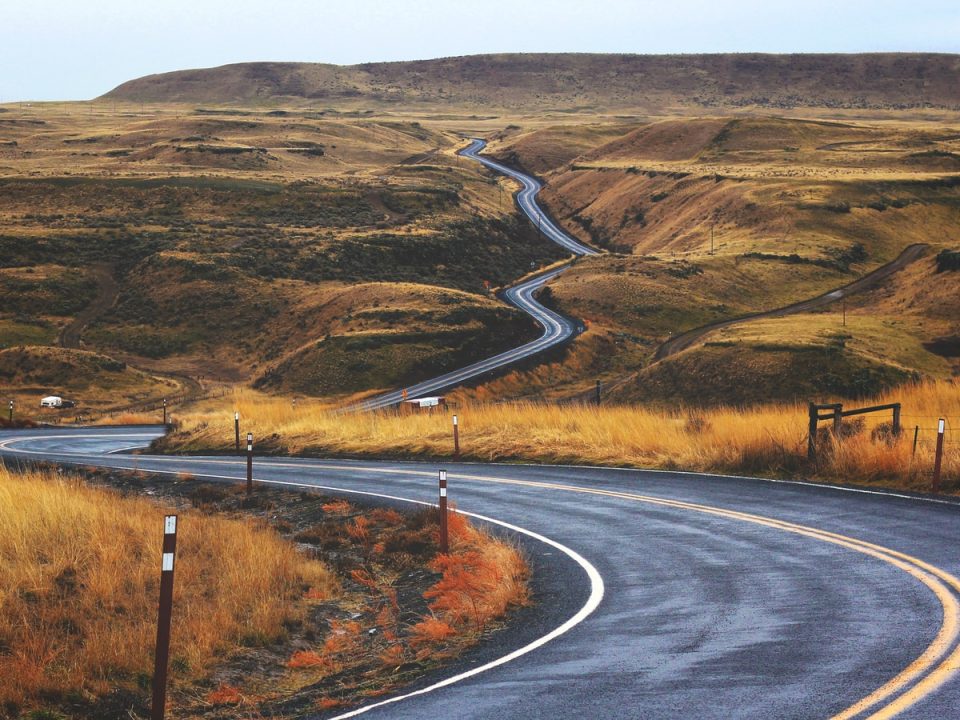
<point x="557" y="329"/>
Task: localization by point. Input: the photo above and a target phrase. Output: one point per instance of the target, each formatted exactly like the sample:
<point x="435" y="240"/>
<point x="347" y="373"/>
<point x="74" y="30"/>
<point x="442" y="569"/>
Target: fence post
<point x="896" y="420"/>
<point x="163" y="618"/>
<point x="236" y="428"/>
<point x="837" y="419"/>
<point x="444" y="536"/>
<point x="938" y="462"/>
<point x="812" y="433"/>
<point x="249" y="463"/>
<point x="456" y="438"/>
<point x="916" y="436"/>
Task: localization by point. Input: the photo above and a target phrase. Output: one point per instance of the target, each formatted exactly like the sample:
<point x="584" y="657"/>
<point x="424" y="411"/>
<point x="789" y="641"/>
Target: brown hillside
<point x="579" y="82"/>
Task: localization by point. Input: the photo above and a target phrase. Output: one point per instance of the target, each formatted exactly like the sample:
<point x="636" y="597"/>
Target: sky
<point x="79" y="49"/>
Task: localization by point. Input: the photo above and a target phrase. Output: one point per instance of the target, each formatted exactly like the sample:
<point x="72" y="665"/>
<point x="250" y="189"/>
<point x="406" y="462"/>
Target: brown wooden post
<point x="456" y="438"/>
<point x="249" y="463"/>
<point x="163" y="620"/>
<point x="444" y="535"/>
<point x="837" y="419"/>
<point x="938" y="461"/>
<point x="812" y="434"/>
<point x="896" y="420"/>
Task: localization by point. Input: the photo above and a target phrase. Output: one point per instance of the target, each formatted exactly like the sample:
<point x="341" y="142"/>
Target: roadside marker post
<point x="444" y="534"/>
<point x="164" y="617"/>
<point x="249" y="463"/>
<point x="236" y="429"/>
<point x="938" y="462"/>
<point x="11" y="411"/>
<point x="456" y="438"/>
<point x="164" y="411"/>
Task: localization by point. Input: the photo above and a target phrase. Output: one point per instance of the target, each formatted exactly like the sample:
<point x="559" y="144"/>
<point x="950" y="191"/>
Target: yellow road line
<point x="925" y="573"/>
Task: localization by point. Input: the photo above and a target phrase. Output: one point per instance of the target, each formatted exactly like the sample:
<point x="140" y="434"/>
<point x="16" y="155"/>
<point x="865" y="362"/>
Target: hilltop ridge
<point x="576" y="81"/>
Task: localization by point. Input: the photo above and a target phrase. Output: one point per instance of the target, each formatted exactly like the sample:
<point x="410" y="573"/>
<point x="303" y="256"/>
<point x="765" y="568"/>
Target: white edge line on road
<point x="593" y="601"/>
<point x="6" y="445"/>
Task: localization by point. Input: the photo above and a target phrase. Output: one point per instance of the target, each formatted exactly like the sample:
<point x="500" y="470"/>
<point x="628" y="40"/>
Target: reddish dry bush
<point x="337" y="507"/>
<point x="393" y="655"/>
<point x="430" y="630"/>
<point x="386" y="516"/>
<point x="225" y="695"/>
<point x="307" y="659"/>
<point x="359" y="529"/>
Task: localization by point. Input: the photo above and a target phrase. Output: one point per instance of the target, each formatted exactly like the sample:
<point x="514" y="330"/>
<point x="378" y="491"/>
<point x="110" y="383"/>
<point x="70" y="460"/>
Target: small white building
<point x="425" y="403"/>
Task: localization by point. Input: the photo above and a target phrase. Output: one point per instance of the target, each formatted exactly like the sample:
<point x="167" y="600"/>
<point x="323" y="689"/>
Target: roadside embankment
<point x="768" y="441"/>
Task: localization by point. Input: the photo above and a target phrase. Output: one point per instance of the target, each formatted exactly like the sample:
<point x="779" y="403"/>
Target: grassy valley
<point x="710" y="219"/>
<point x="322" y="238"/>
<point x="358" y="260"/>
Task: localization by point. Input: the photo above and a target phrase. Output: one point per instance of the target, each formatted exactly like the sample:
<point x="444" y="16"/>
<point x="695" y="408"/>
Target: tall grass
<point x="79" y="582"/>
<point x="765" y="440"/>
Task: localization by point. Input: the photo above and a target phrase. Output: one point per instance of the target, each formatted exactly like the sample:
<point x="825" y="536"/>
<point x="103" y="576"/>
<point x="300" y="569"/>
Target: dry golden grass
<point x="766" y="440"/>
<point x="79" y="581"/>
<point x="130" y="418"/>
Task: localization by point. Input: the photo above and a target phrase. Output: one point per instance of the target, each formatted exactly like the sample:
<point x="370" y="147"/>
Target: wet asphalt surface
<point x="702" y="615"/>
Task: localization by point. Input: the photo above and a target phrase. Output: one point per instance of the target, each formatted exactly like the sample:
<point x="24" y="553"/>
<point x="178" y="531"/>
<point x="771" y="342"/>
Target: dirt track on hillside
<point x="691" y="337"/>
<point x="870" y="280"/>
<point x="107" y="292"/>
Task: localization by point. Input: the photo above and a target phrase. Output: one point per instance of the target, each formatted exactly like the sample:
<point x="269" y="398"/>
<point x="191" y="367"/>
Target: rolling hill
<point x="577" y="82"/>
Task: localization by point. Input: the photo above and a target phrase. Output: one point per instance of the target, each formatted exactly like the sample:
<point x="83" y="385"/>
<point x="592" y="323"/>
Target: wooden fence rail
<point x="836" y="413"/>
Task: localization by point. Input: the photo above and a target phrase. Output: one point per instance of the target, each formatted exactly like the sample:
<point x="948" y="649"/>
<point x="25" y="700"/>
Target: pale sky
<point x="79" y="49"/>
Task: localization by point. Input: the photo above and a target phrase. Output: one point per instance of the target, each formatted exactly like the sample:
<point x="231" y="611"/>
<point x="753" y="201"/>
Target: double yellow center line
<point x="937" y="664"/>
<point x="917" y="680"/>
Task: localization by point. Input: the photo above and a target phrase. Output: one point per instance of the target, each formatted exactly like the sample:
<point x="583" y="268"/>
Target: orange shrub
<point x="307" y="659"/>
<point x="225" y="695"/>
<point x="388" y="516"/>
<point x="430" y="630"/>
<point x="337" y="507"/>
<point x="359" y="529"/>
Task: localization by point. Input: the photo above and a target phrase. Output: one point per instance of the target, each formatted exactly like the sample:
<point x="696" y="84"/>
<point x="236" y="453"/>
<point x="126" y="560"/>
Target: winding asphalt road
<point x="660" y="594"/>
<point x="557" y="329"/>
